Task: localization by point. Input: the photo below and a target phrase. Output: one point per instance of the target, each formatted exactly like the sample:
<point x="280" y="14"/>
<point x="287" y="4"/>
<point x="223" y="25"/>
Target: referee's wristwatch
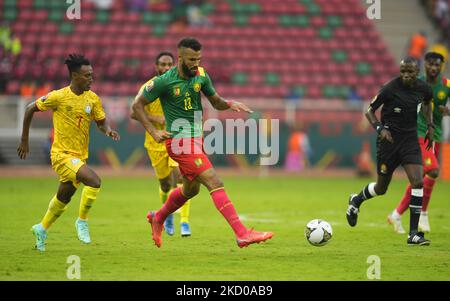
<point x="378" y="127"/>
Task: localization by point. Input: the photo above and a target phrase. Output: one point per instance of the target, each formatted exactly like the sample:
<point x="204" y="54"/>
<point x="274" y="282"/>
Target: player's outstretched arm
<point x="221" y="104"/>
<point x="103" y="126"/>
<point x="138" y="113"/>
<point x="23" y="148"/>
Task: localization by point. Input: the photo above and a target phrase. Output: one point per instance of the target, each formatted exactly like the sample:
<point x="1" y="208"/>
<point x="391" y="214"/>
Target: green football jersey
<point x="441" y="92"/>
<point x="181" y="101"/>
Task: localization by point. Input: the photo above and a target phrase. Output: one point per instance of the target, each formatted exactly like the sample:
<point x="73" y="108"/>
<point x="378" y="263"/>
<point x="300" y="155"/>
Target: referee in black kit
<point x="397" y="142"/>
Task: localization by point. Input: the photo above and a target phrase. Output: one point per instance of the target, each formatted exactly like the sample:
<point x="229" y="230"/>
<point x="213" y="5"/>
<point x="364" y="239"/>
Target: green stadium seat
<point x="334" y="21"/>
<point x="102" y="16"/>
<point x="207" y="8"/>
<point x="313" y="9"/>
<point x="363" y="68"/>
<point x="9" y="4"/>
<point x="159" y="30"/>
<point x="240" y="20"/>
<point x="272" y="79"/>
<point x="239" y="78"/>
<point x="66" y="28"/>
<point x="40" y="4"/>
<point x="10" y="14"/>
<point x="325" y="33"/>
<point x="339" y="56"/>
<point x="300" y="91"/>
<point x="56" y="15"/>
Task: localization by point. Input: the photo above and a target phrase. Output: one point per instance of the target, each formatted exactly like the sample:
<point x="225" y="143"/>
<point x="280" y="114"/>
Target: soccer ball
<point x="318" y="232"/>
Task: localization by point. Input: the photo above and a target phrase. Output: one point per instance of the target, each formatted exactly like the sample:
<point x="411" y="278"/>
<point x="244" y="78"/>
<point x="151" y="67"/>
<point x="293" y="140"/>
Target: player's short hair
<point x="191" y="43"/>
<point x="75" y="61"/>
<point x="409" y="60"/>
<point x="163" y="54"/>
<point x="434" y="56"/>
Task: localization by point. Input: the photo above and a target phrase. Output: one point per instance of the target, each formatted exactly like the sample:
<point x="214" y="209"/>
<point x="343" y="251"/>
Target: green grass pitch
<point x="122" y="248"/>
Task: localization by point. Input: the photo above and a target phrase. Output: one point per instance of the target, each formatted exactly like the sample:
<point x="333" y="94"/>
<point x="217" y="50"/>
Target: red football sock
<point x="175" y="200"/>
<point x="428" y="184"/>
<point x="404" y="204"/>
<point x="224" y="205"/>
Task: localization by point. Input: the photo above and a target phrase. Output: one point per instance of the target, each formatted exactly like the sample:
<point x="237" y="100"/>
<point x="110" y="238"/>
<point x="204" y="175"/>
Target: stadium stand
<point x="253" y="48"/>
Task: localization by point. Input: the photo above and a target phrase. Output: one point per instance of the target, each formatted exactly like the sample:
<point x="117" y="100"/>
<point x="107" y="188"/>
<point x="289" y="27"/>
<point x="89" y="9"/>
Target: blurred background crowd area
<point x="312" y="64"/>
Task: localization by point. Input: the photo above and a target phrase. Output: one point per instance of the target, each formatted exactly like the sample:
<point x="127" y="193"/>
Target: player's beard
<point x="186" y="71"/>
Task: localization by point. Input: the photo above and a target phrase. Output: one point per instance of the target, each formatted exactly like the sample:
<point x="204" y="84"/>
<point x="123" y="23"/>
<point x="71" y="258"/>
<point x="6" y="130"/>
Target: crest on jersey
<point x="197" y="87"/>
<point x="198" y="162"/>
<point x="149" y="86"/>
<point x="44" y="98"/>
<point x="397" y="110"/>
<point x="176" y="91"/>
<point x="88" y="109"/>
<point x="383" y="168"/>
<point x="75" y="161"/>
<point x="441" y="95"/>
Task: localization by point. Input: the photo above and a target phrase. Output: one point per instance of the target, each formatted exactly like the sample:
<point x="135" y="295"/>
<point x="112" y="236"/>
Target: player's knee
<point x="417" y="183"/>
<point x="434" y="173"/>
<point x="95" y="182"/>
<point x="191" y="191"/>
<point x="165" y="186"/>
<point x="380" y="189"/>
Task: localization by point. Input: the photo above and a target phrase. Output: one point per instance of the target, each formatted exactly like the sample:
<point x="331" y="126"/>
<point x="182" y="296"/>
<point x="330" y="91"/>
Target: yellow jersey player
<point x="74" y="107"/>
<point x="166" y="169"/>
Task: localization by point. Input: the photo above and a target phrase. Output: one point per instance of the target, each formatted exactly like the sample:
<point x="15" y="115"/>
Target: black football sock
<point x="415" y="206"/>
<point x="367" y="193"/>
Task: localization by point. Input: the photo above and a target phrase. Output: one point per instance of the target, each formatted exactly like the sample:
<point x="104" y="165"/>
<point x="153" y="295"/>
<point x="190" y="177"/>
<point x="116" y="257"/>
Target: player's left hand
<point x="114" y="135"/>
<point x="429" y="138"/>
<point x="238" y="106"/>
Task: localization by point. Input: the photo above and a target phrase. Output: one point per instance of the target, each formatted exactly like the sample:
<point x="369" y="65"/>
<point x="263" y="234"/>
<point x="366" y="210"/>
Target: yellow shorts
<point x="162" y="163"/>
<point x="67" y="166"/>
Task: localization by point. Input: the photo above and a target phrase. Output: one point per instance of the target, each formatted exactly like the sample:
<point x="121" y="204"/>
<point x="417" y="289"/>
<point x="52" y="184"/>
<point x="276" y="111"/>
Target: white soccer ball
<point x="318" y="232"/>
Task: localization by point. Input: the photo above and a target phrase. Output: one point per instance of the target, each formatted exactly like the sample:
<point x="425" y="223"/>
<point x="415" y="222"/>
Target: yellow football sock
<point x="163" y="195"/>
<point x="55" y="209"/>
<point x="88" y="197"/>
<point x="184" y="214"/>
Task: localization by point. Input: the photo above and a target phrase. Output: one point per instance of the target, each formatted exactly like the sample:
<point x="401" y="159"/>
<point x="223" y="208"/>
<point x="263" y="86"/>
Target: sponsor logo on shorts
<point x="383" y="168"/>
<point x="428" y="161"/>
<point x="75" y="161"/>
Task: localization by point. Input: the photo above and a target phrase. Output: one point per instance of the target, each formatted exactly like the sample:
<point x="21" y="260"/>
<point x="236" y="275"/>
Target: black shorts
<point x="404" y="150"/>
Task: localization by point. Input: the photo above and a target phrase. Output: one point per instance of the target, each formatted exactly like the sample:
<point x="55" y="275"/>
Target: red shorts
<point x="429" y="157"/>
<point x="190" y="155"/>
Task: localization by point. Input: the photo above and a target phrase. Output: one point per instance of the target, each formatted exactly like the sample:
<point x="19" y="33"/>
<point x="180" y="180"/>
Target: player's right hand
<point x="386" y="135"/>
<point x="23" y="150"/>
<point x="160" y="135"/>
